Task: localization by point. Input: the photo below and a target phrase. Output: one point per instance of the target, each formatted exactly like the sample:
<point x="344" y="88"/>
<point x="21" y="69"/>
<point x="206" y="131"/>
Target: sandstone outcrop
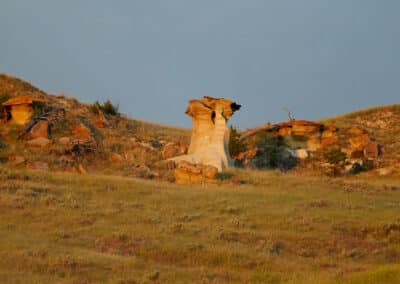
<point x="20" y="109"/>
<point x="173" y="149"/>
<point x="304" y="139"/>
<point x="188" y="173"/>
<point x="210" y="134"/>
<point x="40" y="129"/>
<point x="40" y="142"/>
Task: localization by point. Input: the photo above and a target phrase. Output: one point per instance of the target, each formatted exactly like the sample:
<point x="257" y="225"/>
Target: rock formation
<point x="187" y="173"/>
<point x="18" y="110"/>
<point x="210" y="134"/>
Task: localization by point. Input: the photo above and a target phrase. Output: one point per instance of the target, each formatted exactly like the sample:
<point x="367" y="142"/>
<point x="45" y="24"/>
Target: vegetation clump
<point x="236" y="145"/>
<point x="4" y="96"/>
<point x="335" y="156"/>
<point x="272" y="152"/>
<point x="107" y="108"/>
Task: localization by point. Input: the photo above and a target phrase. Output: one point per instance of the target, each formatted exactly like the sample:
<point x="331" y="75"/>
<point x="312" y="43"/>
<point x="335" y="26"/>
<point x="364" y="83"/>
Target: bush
<point x="223" y="176"/>
<point x="4" y="96"/>
<point x="107" y="108"/>
<point x="236" y="146"/>
<point x="272" y="152"/>
<point x="95" y="107"/>
<point x="335" y="156"/>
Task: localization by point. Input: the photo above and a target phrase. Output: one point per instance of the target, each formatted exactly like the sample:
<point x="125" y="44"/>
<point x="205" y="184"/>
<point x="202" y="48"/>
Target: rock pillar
<point x="210" y="134"/>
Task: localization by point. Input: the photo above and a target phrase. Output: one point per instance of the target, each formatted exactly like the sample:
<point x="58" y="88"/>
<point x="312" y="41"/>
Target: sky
<point x="317" y="58"/>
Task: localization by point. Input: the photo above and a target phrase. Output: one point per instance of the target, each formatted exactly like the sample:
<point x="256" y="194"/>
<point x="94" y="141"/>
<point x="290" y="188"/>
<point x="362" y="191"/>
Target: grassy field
<point x="264" y="227"/>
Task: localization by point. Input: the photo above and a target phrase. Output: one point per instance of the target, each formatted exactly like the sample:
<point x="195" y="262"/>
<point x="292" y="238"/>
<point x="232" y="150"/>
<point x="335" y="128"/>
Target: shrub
<point x="236" y="146"/>
<point x="223" y="176"/>
<point x="272" y="152"/>
<point x="95" y="107"/>
<point x="4" y="96"/>
<point x="335" y="156"/>
<point x="38" y="110"/>
<point x="107" y="108"/>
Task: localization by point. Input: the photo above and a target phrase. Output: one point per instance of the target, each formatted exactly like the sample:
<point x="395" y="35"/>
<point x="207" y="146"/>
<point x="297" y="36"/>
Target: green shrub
<point x="224" y="176"/>
<point x="107" y="108"/>
<point x="272" y="152"/>
<point x="95" y="107"/>
<point x="335" y="156"/>
<point x="38" y="110"/>
<point x="236" y="146"/>
<point x="4" y="96"/>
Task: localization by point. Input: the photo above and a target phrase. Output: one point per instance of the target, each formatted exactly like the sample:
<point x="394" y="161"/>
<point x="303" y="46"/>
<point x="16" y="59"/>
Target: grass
<point x="347" y="119"/>
<point x="266" y="227"/>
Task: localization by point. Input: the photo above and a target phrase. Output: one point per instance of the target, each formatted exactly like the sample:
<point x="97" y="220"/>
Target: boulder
<point x="116" y="158"/>
<point x="371" y="150"/>
<point x="356" y="131"/>
<point x="385" y="171"/>
<point x="80" y="131"/>
<point x="64" y="140"/>
<point x="188" y="173"/>
<point x="99" y="121"/>
<point x="300" y="153"/>
<point x="173" y="149"/>
<point x="358" y="142"/>
<point x="329" y="131"/>
<point x="81" y="169"/>
<point x="329" y="140"/>
<point x="284" y="131"/>
<point x="17" y="160"/>
<point x="43" y="166"/>
<point x="65" y="159"/>
<point x="313" y="144"/>
<point x="40" y="129"/>
<point x="40" y="142"/>
<point x="304" y="127"/>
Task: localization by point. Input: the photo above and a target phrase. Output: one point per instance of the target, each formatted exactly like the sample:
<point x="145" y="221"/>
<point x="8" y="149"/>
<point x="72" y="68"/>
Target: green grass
<point x="265" y="227"/>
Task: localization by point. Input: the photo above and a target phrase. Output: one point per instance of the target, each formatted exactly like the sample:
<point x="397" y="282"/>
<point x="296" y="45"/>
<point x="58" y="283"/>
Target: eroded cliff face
<point x="210" y="134"/>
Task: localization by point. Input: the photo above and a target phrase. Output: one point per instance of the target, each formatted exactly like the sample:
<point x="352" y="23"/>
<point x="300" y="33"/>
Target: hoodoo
<point x="210" y="134"/>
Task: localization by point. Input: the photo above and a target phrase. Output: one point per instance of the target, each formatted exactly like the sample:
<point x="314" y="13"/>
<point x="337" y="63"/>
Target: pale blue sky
<point x="316" y="57"/>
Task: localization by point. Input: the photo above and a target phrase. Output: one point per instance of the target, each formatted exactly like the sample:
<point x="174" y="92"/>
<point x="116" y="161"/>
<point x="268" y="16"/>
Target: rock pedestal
<point x="210" y="134"/>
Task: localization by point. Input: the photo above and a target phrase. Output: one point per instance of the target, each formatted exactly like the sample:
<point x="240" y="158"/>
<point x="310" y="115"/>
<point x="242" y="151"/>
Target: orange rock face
<point x="173" y="149"/>
<point x="19" y="109"/>
<point x="371" y="150"/>
<point x="81" y="132"/>
<point x="40" y="142"/>
<point x="21" y="100"/>
<point x="21" y="114"/>
<point x="99" y="121"/>
<point x="40" y="129"/>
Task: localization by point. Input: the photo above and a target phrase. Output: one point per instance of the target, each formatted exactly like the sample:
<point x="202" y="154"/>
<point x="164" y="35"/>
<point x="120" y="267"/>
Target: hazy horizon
<point x="317" y="58"/>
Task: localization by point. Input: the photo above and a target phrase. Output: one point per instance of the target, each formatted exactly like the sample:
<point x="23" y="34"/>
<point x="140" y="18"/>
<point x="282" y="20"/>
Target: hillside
<point x="383" y="122"/>
<point x="107" y="143"/>
<point x="95" y="138"/>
